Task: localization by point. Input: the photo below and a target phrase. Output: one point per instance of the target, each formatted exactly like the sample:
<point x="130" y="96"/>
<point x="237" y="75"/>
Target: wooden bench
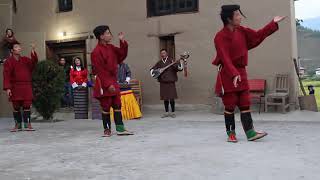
<point x="257" y="88"/>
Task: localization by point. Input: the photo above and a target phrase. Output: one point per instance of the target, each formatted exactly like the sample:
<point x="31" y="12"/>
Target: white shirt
<point x="165" y="60"/>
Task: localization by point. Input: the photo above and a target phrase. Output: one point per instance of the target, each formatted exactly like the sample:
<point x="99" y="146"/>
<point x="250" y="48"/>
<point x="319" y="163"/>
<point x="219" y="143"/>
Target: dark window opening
<point x="65" y="5"/>
<point x="167" y="42"/>
<point x="166" y="7"/>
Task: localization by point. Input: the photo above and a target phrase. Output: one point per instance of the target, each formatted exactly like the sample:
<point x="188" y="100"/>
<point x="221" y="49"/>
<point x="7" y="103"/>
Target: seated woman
<point x="78" y="81"/>
<point x="130" y="108"/>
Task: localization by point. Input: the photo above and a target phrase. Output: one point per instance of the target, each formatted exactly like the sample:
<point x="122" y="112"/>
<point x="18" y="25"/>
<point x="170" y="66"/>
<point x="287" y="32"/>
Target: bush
<point x="315" y="78"/>
<point x="48" y="88"/>
<point x="311" y="71"/>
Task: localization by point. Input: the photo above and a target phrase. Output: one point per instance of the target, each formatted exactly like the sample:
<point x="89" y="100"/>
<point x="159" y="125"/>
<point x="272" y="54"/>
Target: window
<point x="165" y="7"/>
<point x="167" y="42"/>
<point x="65" y="5"/>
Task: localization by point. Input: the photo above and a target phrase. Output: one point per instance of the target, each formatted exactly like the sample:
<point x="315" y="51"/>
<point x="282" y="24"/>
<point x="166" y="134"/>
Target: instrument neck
<point x="174" y="62"/>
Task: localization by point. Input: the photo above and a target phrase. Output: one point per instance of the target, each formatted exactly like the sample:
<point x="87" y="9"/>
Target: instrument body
<point x="157" y="72"/>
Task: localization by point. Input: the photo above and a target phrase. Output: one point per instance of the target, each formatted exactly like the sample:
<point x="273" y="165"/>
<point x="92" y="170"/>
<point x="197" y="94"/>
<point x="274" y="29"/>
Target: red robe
<point x="78" y="77"/>
<point x="105" y="60"/>
<point x="17" y="76"/>
<point x="232" y="54"/>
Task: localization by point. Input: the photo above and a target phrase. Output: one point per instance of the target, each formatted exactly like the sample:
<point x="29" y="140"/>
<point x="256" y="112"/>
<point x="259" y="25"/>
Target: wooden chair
<point x="280" y="96"/>
<point x="257" y="91"/>
<point x="137" y="90"/>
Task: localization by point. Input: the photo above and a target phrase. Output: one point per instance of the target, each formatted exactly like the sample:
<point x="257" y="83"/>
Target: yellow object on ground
<point x="129" y="106"/>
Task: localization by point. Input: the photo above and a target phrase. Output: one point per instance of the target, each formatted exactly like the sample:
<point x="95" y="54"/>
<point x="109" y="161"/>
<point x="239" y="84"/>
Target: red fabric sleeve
<point x="34" y="60"/>
<point x="255" y="38"/>
<point x="121" y="52"/>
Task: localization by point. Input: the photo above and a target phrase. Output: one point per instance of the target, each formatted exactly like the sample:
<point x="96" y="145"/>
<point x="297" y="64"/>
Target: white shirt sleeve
<point x="180" y="66"/>
<point x="74" y="85"/>
<point x="128" y="79"/>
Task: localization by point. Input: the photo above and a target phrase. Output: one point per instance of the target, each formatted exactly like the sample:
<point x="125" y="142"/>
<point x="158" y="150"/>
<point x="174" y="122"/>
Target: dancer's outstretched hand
<point x="121" y="36"/>
<point x="278" y="19"/>
<point x="33" y="46"/>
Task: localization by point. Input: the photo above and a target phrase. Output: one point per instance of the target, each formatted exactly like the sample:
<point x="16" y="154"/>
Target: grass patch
<point x="316" y="85"/>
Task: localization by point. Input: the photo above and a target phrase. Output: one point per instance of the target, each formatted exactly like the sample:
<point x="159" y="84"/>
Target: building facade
<point x="149" y="25"/>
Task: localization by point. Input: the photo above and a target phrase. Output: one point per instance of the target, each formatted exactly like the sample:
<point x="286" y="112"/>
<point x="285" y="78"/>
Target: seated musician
<point x="124" y="76"/>
<point x="130" y="108"/>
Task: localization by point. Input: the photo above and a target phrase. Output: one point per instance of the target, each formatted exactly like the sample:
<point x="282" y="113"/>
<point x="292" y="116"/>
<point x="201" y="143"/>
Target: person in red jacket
<point x="78" y="74"/>
<point x="232" y="44"/>
<point x="17" y="82"/>
<point x="105" y="59"/>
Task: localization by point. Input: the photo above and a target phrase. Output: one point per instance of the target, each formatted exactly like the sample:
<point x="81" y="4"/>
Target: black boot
<point x="27" y="120"/>
<point x="18" y="121"/>
<point x="248" y="128"/>
<point x="106" y="124"/>
<point x="230" y="127"/>
<point x="229" y="122"/>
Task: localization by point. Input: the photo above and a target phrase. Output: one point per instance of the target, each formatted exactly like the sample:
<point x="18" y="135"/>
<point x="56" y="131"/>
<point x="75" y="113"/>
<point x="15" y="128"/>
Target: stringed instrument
<point x="183" y="57"/>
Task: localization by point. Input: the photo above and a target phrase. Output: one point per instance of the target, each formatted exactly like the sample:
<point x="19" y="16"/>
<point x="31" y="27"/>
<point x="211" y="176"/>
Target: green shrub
<point x="48" y="88"/>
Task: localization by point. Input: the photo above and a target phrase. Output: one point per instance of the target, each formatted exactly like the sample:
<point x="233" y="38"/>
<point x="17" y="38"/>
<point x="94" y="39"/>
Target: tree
<point x="48" y="88"/>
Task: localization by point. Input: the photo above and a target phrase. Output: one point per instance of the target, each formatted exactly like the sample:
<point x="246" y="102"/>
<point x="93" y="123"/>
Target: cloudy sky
<point x="306" y="9"/>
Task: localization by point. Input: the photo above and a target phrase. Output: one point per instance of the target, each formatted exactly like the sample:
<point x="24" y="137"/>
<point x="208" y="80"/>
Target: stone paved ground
<point x="190" y="147"/>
